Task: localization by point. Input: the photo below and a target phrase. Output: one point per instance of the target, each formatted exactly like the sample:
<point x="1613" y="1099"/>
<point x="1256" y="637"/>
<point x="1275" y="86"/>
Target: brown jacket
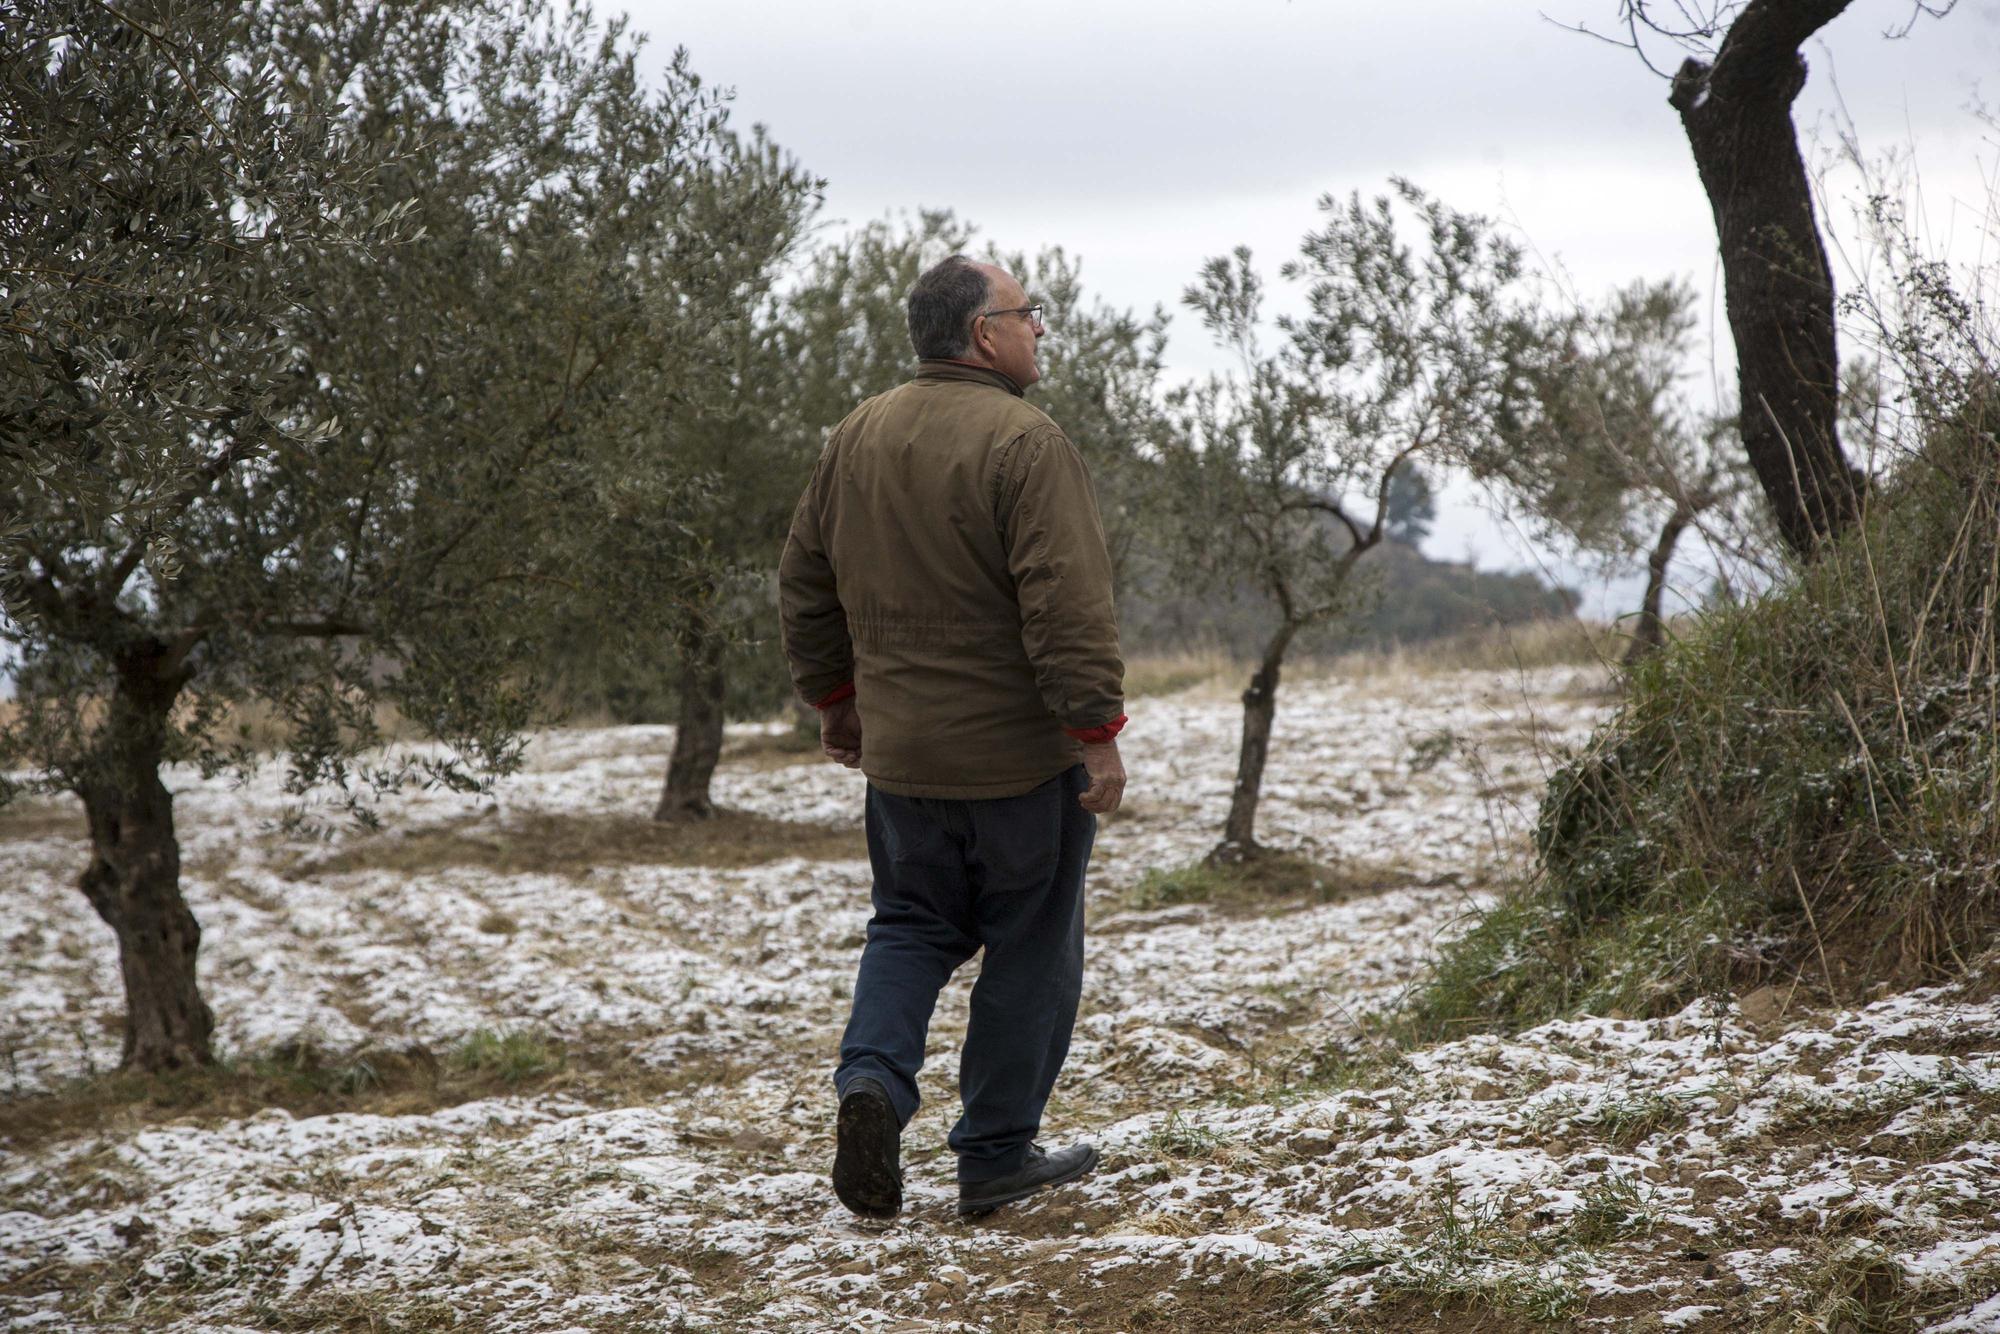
<point x="948" y="559"/>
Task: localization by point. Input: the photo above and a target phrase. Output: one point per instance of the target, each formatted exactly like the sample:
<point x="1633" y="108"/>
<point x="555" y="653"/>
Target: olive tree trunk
<point x="1650" y="631"/>
<point x="134" y="876"/>
<point x="697" y="738"/>
<point x="1260" y="710"/>
<point x="1777" y="285"/>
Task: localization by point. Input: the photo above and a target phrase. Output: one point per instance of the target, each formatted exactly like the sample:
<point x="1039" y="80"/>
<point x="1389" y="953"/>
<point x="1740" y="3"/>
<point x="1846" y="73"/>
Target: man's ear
<point x="982" y="342"/>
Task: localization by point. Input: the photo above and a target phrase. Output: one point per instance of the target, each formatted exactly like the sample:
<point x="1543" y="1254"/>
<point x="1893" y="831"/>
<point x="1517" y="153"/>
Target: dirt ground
<point x="536" y="1064"/>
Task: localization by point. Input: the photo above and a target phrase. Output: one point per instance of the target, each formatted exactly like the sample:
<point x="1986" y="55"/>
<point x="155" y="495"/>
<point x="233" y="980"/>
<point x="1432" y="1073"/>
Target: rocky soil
<point x="648" y="1018"/>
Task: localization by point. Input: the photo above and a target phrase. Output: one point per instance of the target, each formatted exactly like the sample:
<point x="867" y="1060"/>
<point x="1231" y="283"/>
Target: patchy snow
<point x="1259" y="1146"/>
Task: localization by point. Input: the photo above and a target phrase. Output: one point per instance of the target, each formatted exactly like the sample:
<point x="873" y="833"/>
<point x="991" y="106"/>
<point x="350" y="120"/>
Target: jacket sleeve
<point x="814" y="624"/>
<point x="1061" y="568"/>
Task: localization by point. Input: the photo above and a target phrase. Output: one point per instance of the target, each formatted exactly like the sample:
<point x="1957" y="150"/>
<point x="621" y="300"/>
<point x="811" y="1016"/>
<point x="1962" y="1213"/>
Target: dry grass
<point x="1169" y="673"/>
<point x="387" y="1081"/>
<point x="33" y="818"/>
<point x="541" y="843"/>
<point x="1523" y="647"/>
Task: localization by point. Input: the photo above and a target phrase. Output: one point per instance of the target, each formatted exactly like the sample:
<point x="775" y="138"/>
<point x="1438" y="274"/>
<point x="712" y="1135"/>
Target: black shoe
<point x="1040" y="1170"/>
<point x="867" y="1159"/>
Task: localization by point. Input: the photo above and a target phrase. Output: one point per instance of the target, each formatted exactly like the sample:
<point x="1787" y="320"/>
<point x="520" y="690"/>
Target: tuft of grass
<point x="498" y="923"/>
<point x="1460" y="1253"/>
<point x="1268" y="878"/>
<point x="1613" y="1208"/>
<point x="1627" y="1122"/>
<point x="1857" y="1285"/>
<point x="1177" y="1137"/>
<point x="511" y="1056"/>
<point x="1805" y="784"/>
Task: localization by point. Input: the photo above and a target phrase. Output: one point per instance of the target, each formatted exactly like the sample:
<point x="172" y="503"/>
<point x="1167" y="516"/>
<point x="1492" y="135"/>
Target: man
<point x="946" y="596"/>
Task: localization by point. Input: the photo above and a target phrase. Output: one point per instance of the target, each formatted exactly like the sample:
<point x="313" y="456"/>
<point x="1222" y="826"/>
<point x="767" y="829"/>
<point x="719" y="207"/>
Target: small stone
<point x="1311" y="1142"/>
<point x="955" y="1277"/>
<point x="1765" y="1006"/>
<point x="936" y="1292"/>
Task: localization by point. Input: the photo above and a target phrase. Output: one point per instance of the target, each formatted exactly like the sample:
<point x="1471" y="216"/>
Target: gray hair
<point x="942" y="305"/>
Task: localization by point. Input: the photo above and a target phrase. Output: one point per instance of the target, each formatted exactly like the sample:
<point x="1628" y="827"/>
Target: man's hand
<point x="1107" y="778"/>
<point x="840" y="733"/>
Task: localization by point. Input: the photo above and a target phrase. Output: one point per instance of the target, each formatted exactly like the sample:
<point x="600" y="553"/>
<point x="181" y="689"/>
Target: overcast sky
<point x="1145" y="137"/>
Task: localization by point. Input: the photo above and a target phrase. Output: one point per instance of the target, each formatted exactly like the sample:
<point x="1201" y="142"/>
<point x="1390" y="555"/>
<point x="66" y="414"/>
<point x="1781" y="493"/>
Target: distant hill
<point x="1407" y="597"/>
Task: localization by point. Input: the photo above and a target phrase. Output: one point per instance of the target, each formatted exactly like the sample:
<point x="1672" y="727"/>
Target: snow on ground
<point x="1268" y="1163"/>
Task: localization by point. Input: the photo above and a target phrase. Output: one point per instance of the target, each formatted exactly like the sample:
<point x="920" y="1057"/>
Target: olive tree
<point x="836" y="334"/>
<point x="1733" y="93"/>
<point x="1609" y="449"/>
<point x="1281" y="475"/>
<point x="337" y="338"/>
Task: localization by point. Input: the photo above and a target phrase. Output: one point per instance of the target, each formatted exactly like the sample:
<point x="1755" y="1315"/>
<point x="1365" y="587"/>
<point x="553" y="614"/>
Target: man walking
<point x="946" y="596"/>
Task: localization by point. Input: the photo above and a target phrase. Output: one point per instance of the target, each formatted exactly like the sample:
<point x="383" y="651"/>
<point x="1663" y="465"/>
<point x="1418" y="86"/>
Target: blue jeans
<point x="952" y="876"/>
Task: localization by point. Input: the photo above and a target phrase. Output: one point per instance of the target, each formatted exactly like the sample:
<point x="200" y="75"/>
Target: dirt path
<point x="1267" y="1165"/>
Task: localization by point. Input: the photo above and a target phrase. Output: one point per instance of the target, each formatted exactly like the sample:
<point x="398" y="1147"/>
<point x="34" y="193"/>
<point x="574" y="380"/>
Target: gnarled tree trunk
<point x="1777" y="285"/>
<point x="1650" y="632"/>
<point x="1260" y="709"/>
<point x="697" y="738"/>
<point x="134" y="876"/>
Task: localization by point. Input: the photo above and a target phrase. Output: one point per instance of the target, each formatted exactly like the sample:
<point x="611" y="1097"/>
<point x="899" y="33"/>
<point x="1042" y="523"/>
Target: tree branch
<point x="1332" y="507"/>
<point x="329" y="628"/>
<point x="114" y="582"/>
<point x="1403" y="455"/>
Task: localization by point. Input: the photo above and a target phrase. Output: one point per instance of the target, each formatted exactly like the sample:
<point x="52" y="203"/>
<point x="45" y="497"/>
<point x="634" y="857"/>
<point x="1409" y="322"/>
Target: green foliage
<point x="1607" y="441"/>
<point x="1279" y="477"/>
<point x="835" y="336"/>
<point x="1808" y="782"/>
<point x="368" y="399"/>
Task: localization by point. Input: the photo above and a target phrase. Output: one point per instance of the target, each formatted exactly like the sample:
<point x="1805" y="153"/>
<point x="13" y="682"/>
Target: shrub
<point x="1806" y="782"/>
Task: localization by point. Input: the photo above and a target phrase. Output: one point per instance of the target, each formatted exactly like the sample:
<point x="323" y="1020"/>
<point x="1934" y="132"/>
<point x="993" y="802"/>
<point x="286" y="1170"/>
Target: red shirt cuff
<point x="832" y="697"/>
<point x="1097" y="736"/>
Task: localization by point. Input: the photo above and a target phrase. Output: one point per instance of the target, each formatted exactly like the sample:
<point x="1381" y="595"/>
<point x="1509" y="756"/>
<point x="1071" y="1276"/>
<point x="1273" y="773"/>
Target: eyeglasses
<point x="1034" y="313"/>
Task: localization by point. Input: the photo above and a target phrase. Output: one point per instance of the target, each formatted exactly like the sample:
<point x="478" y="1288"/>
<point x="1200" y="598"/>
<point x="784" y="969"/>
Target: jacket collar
<point x="943" y="368"/>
